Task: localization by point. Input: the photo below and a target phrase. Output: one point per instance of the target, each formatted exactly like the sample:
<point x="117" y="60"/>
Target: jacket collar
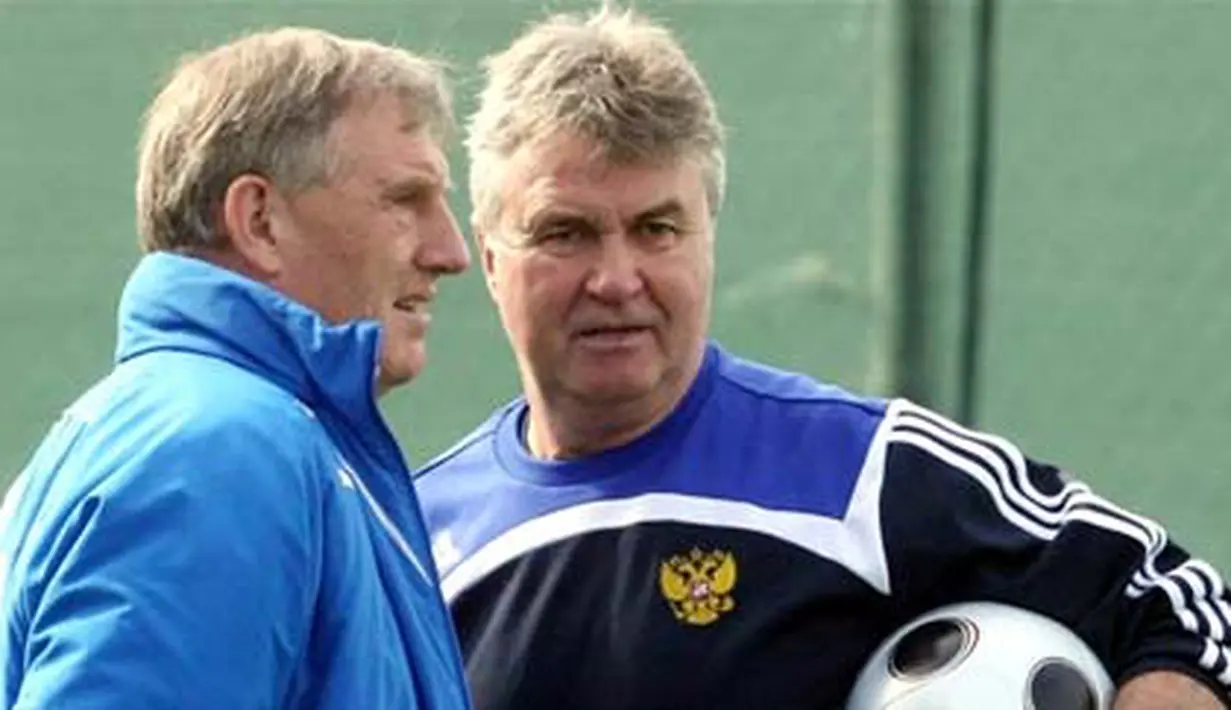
<point x="174" y="302"/>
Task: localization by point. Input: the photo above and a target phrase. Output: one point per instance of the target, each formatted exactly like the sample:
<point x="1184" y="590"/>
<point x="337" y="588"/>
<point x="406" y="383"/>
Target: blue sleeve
<point x="185" y="580"/>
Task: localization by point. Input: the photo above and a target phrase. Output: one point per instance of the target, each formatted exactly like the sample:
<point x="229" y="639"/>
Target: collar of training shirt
<point x="174" y="302"/>
<point x="515" y="458"/>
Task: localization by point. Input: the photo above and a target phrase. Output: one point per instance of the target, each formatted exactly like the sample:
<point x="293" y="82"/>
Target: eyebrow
<point x="551" y="215"/>
<point x="670" y="207"/>
<point x="557" y="214"/>
<point x="417" y="180"/>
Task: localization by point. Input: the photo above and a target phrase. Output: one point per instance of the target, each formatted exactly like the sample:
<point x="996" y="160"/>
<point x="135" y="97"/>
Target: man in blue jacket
<point x="659" y="523"/>
<point x="225" y="521"/>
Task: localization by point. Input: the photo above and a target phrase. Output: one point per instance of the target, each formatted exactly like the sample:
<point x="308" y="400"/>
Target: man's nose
<point x="616" y="275"/>
<point x="444" y="248"/>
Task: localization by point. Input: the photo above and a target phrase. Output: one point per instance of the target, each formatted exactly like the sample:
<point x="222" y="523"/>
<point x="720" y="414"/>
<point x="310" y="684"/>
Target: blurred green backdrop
<point x="1018" y="217"/>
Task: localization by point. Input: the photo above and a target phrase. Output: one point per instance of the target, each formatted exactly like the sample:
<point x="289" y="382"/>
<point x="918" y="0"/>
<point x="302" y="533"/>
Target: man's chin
<point x="613" y="391"/>
<point x="396" y="371"/>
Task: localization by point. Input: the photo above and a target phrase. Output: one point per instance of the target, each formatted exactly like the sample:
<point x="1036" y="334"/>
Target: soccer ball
<point x="985" y="656"/>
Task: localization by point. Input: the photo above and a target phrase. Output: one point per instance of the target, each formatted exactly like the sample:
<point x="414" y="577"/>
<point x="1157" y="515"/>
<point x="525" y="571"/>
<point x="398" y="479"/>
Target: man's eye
<point x="658" y="234"/>
<point x="559" y="235"/>
<point x="660" y="229"/>
<point x="409" y="198"/>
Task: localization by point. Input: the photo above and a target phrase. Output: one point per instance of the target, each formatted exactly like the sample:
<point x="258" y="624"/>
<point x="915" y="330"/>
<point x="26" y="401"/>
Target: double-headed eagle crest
<point x="698" y="585"/>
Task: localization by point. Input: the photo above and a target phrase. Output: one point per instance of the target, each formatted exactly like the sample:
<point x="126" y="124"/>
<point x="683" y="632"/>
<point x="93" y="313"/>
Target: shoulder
<point x="150" y="459"/>
<point x="925" y="449"/>
<point x="475" y="445"/>
<point x="199" y="426"/>
<point x="772" y="385"/>
<point x="792" y="405"/>
<point x="921" y="438"/>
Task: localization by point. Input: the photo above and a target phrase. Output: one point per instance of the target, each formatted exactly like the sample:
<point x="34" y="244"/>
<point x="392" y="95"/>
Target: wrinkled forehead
<point x="410" y="164"/>
<point x="575" y="175"/>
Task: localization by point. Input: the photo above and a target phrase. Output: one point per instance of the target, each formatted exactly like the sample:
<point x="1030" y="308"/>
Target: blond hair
<point x="615" y="78"/>
<point x="264" y="104"/>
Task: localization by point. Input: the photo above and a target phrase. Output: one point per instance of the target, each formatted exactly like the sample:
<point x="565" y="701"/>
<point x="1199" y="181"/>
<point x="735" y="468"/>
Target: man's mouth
<point x="618" y="336"/>
<point x="416" y="306"/>
<point x="612" y="330"/>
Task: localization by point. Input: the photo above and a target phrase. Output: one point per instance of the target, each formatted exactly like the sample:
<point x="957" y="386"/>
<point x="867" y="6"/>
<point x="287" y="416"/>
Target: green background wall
<point x="1079" y="151"/>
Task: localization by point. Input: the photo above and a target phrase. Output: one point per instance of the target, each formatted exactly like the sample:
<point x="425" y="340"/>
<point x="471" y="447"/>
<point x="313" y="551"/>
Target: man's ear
<point x="249" y="208"/>
<point x="487" y="257"/>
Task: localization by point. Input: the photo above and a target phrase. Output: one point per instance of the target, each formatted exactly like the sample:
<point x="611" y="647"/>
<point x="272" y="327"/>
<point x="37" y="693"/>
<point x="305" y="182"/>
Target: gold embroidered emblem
<point x="698" y="585"/>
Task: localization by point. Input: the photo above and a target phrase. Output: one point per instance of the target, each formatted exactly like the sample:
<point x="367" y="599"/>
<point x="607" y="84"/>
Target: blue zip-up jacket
<point x="224" y="521"/>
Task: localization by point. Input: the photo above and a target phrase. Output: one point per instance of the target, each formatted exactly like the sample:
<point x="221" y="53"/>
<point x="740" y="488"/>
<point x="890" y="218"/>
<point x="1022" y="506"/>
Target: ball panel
<point x="930" y="647"/>
<point x="1056" y="684"/>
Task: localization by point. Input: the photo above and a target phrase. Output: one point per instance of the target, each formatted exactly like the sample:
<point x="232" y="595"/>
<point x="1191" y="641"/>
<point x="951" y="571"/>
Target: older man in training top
<point x="658" y="523"/>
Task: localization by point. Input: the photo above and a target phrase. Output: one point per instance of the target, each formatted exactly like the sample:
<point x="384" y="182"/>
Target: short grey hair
<point x="264" y="104"/>
<point x="615" y="78"/>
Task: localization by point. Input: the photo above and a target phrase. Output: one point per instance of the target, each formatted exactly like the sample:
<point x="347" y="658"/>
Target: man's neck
<point x="569" y="427"/>
<point x="572" y="429"/>
<point x="554" y="436"/>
